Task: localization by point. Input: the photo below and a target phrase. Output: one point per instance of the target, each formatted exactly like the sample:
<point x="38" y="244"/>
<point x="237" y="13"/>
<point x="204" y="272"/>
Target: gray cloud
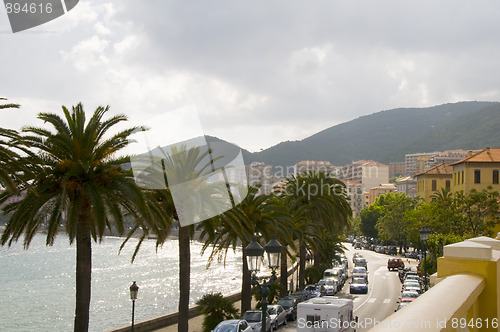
<point x="259" y="72"/>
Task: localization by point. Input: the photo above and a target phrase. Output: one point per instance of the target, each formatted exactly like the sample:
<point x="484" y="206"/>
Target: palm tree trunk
<point x="284" y="271"/>
<point x="302" y="266"/>
<point x="246" y="286"/>
<point x="184" y="278"/>
<point x="83" y="275"/>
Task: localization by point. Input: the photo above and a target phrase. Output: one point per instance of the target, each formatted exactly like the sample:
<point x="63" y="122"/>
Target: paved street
<point x="383" y="291"/>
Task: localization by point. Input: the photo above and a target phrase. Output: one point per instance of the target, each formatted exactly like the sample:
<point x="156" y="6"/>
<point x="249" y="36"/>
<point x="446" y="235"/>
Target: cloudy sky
<point x="258" y="72"/>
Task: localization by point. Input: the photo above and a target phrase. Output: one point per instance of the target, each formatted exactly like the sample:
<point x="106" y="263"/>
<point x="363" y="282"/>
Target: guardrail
<point x="467" y="297"/>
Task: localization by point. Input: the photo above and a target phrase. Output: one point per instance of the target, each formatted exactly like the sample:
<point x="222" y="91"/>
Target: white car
<point x="277" y="314"/>
<point x="254" y="319"/>
<point x="328" y="286"/>
<point x="233" y="325"/>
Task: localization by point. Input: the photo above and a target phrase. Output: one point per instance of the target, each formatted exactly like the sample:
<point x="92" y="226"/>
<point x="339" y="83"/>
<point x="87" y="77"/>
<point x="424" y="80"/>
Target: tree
<point x="174" y="167"/>
<point x="254" y="215"/>
<point x="8" y="156"/>
<point x="77" y="181"/>
<point x="316" y="201"/>
<point x="369" y="218"/>
<point x="393" y="224"/>
<point x="216" y="308"/>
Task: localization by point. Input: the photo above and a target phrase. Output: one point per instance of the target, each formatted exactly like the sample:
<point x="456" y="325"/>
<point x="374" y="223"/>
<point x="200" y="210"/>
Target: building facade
<point x="433" y="180"/>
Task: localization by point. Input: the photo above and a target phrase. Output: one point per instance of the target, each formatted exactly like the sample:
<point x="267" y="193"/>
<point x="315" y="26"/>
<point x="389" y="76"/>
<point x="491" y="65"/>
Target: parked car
<point x="395" y="263"/>
<point x="328" y="286"/>
<point x="336" y="275"/>
<point x="408" y="296"/>
<point x="277" y="314"/>
<point x="233" y="325"/>
<point x="254" y="319"/>
<point x="313" y="290"/>
<point x="301" y="296"/>
<point x="358" y="286"/>
<point x="290" y="305"/>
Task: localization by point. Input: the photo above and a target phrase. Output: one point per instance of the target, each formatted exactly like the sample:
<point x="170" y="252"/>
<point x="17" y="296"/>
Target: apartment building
<point x="420" y="162"/>
<point x="407" y="186"/>
<point x="355" y="193"/>
<point x="431" y="181"/>
<point x="478" y="171"/>
<point x="367" y="172"/>
<point x="381" y="189"/>
<point x="305" y="166"/>
<point x="396" y="169"/>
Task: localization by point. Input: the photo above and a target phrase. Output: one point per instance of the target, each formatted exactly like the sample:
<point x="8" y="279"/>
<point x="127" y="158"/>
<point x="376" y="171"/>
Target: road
<point x="384" y="290"/>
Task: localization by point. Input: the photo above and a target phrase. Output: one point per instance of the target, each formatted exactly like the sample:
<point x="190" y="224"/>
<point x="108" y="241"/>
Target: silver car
<point x="278" y="315"/>
<point x="254" y="319"/>
<point x="233" y="325"/>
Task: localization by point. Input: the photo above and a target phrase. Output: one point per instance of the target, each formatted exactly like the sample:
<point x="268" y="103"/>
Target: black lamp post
<point x="134" y="289"/>
<point x="254" y="252"/>
<point x="424" y="236"/>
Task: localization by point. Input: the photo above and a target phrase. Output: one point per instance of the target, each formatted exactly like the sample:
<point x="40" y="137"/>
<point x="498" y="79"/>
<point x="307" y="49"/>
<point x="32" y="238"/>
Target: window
<point x="434" y="185"/>
<point x="313" y="318"/>
<point x="495" y="176"/>
<point x="448" y="183"/>
<point x="462" y="177"/>
<point x="477" y="176"/>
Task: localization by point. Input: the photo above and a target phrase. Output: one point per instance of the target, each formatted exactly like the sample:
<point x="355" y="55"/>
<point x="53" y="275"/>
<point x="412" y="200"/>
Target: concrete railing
<point x="467" y="297"/>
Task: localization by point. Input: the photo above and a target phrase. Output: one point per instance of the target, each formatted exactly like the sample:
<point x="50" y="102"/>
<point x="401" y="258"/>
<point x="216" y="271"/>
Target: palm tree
<point x="79" y="182"/>
<point x="316" y="200"/>
<point x="182" y="170"/>
<point x="216" y="308"/>
<point x="254" y="215"/>
<point x="7" y="154"/>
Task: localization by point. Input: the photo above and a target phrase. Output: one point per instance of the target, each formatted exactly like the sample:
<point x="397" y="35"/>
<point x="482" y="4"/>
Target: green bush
<point x="216" y="308"/>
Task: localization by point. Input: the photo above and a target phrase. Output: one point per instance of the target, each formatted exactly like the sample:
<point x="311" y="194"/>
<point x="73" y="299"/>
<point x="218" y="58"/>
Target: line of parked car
<point x="411" y="287"/>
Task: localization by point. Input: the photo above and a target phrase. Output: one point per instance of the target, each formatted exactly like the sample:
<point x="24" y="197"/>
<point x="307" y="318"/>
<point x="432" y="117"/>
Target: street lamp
<point x="424" y="236"/>
<point x="254" y="251"/>
<point x="134" y="289"/>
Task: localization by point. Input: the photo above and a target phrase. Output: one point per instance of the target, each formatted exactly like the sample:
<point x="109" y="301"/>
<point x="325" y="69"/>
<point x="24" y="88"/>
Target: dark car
<point x="395" y="263"/>
<point x="290" y="305"/>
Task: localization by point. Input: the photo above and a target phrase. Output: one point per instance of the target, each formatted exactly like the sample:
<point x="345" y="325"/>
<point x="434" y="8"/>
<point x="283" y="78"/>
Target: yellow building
<point x="432" y="180"/>
<point x="477" y="171"/>
<point x="381" y="189"/>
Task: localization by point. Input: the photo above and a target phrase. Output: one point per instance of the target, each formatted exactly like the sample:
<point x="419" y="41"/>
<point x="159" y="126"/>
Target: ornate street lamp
<point x="134" y="289"/>
<point x="424" y="236"/>
<point x="254" y="251"/>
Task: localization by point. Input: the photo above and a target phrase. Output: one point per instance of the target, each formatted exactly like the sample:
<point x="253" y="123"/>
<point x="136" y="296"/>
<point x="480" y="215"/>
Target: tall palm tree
<point x="79" y="182"/>
<point x="182" y="170"/>
<point x="316" y="199"/>
<point x="254" y="215"/>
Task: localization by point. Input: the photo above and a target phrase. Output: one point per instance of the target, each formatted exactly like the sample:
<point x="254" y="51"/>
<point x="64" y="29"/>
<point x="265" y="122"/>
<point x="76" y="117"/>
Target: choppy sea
<point x="37" y="285"/>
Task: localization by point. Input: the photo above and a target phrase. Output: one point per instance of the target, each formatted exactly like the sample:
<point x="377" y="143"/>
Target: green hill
<point x="385" y="136"/>
<point x="471" y="131"/>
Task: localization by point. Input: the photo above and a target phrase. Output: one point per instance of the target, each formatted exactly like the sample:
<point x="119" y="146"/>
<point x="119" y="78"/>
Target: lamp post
<point x="254" y="252"/>
<point x="424" y="236"/>
<point x="134" y="289"/>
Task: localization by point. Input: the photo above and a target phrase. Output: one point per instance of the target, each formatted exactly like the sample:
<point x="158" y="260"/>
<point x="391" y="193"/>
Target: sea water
<point x="37" y="291"/>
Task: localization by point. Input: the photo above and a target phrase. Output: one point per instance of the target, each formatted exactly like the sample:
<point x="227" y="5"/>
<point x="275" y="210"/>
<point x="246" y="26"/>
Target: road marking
<point x="372" y="300"/>
<point x="387" y="301"/>
<point x="371" y="290"/>
<point x="356" y="299"/>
